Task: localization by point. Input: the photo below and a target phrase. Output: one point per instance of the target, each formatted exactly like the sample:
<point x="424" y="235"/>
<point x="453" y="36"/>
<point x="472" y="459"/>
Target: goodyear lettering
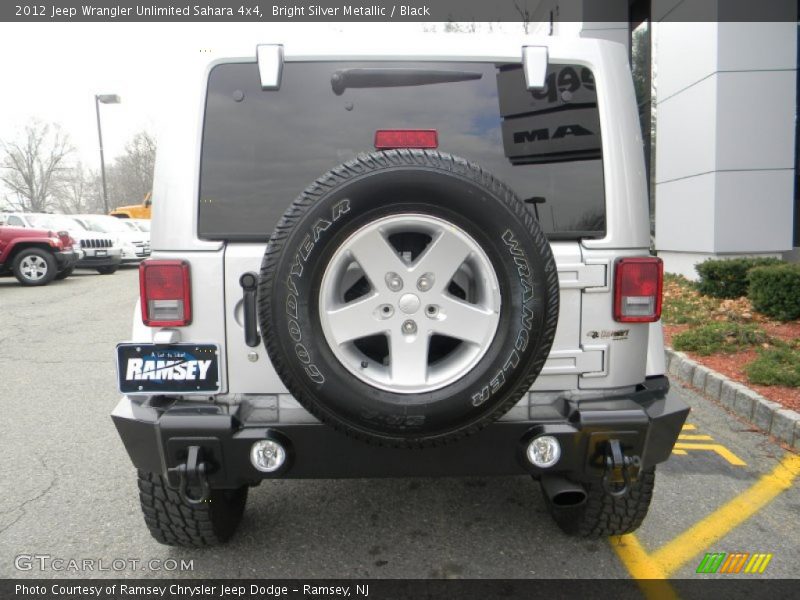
<point x="306" y="246"/>
<point x="320" y="226"/>
<point x="297" y="268"/>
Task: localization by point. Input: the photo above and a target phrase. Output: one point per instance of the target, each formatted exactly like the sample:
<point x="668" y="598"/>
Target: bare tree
<point x="32" y="166"/>
<point x="80" y="191"/>
<point x="130" y="177"/>
<point x="525" y="15"/>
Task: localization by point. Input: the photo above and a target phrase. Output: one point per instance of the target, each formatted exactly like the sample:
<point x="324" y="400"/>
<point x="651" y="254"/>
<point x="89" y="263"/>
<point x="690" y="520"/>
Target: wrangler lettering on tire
<point x="391" y="315"/>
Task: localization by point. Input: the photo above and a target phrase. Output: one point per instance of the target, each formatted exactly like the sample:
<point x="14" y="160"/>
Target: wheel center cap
<point x="409" y="303"/>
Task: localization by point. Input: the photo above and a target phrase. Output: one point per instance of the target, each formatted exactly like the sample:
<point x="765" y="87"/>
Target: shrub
<point x="728" y="278"/>
<point x="775" y="290"/>
<point x="682" y="304"/>
<point x="775" y="366"/>
<point x="719" y="337"/>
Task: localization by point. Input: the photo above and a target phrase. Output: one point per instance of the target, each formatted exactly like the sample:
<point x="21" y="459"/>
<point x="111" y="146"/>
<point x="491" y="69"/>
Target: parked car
<point x="36" y="256"/>
<point x="401" y="262"/>
<point x="137" y="224"/>
<point x="99" y="251"/>
<point x="134" y="244"/>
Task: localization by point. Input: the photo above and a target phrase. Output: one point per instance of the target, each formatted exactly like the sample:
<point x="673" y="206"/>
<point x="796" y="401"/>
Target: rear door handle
<point x="249" y="283"/>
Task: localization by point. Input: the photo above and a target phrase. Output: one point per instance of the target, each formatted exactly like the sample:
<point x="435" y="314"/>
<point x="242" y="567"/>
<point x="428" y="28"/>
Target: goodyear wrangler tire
<point x="408" y="298"/>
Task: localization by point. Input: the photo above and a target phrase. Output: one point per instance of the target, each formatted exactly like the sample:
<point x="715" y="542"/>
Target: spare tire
<point x="408" y="298"/>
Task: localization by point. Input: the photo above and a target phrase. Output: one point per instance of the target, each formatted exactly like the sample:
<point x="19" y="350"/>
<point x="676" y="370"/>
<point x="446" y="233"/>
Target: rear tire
<point x="34" y="266"/>
<point x="602" y="514"/>
<point x="107" y="270"/>
<point x="173" y="522"/>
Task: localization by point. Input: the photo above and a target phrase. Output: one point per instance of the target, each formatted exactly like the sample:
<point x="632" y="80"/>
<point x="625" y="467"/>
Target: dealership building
<point x="718" y="105"/>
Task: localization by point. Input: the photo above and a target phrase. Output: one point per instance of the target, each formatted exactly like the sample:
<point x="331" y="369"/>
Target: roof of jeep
<point x="423" y="46"/>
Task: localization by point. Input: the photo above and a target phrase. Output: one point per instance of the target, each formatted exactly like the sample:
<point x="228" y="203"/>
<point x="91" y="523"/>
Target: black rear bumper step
<point x="157" y="435"/>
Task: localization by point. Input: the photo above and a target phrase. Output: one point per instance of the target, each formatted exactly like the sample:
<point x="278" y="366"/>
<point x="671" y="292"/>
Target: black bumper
<point x="92" y="262"/>
<point x="157" y="434"/>
<point x="66" y="259"/>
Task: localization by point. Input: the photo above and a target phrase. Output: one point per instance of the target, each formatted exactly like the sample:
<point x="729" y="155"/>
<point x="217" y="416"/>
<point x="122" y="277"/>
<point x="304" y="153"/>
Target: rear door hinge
<point x="582" y="276"/>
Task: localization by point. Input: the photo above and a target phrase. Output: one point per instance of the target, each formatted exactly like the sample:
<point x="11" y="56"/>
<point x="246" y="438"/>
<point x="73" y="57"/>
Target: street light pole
<point x="105" y="99"/>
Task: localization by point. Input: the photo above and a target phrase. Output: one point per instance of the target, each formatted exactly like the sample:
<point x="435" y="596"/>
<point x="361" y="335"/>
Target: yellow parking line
<point x="640" y="566"/>
<point x="688" y="427"/>
<point x="695" y="437"/>
<point x="672" y="556"/>
<point x="719" y="449"/>
<point x="678" y="451"/>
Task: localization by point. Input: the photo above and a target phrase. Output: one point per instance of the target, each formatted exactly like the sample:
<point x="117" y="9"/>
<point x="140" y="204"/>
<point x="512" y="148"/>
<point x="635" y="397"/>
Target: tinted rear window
<point x="261" y="148"/>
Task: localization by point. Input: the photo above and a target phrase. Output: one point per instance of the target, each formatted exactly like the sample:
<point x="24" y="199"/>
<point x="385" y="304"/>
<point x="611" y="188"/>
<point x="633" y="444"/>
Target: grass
<point x="712" y="338"/>
<point x="779" y="365"/>
<point x="683" y="304"/>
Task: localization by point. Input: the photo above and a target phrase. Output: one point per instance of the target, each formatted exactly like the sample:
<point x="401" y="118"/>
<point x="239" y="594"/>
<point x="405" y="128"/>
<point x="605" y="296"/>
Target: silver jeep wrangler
<point x="371" y="262"/>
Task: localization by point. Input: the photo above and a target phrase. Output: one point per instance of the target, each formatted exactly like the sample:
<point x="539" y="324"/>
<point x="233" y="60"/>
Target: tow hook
<point x="192" y="476"/>
<point x="617" y="475"/>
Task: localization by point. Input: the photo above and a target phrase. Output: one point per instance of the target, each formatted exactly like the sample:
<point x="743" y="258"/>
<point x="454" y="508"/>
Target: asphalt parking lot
<point x="69" y="490"/>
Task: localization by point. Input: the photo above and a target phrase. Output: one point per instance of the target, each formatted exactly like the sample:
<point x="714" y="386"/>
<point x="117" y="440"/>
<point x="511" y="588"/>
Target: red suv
<point x="36" y="256"/>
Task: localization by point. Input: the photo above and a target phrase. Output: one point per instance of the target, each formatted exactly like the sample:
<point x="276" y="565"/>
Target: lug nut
<point x="425" y="282"/>
<point x="393" y="282"/>
<point x="409" y="327"/>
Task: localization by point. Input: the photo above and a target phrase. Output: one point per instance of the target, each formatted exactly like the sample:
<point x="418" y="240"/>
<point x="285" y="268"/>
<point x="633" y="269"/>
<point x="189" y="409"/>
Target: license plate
<point x="168" y="368"/>
<point x="101" y="252"/>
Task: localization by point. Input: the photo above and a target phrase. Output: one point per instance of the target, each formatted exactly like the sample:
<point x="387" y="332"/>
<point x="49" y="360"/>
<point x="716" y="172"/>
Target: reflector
<point x="388" y="139"/>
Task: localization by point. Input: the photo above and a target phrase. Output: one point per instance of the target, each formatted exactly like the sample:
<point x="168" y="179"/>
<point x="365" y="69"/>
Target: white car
<point x="99" y="251"/>
<point x="135" y="244"/>
<point x="137" y="224"/>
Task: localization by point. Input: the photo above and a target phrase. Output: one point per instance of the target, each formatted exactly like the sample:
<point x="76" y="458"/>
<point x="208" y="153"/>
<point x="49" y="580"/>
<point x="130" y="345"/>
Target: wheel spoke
<point x="463" y="321"/>
<point x="443" y="256"/>
<point x="376" y="257"/>
<point x="356" y="320"/>
<point x="408" y="356"/>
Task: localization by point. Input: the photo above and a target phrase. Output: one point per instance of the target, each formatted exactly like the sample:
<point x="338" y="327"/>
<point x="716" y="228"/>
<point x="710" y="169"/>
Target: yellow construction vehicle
<point x="135" y="211"/>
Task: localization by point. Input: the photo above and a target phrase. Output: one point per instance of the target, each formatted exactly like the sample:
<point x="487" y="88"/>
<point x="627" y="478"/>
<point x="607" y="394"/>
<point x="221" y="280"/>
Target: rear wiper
<point x="371" y="78"/>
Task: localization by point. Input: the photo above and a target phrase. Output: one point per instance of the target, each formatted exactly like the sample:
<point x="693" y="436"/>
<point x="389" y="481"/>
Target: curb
<point x="766" y="415"/>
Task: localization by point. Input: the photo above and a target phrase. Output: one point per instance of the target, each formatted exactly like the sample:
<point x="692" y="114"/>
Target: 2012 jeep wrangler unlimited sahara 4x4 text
<point x="370" y="262"/>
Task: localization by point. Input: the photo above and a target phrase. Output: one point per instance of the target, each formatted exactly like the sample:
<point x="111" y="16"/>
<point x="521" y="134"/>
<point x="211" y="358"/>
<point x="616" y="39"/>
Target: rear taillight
<point x="388" y="139"/>
<point x="66" y="239"/>
<point x="637" y="289"/>
<point x="165" y="291"/>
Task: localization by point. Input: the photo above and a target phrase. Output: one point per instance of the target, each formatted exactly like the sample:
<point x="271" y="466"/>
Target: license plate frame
<point x="182" y="368"/>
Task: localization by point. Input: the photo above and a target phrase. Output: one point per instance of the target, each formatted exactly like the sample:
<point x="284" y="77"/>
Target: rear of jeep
<point x="371" y="265"/>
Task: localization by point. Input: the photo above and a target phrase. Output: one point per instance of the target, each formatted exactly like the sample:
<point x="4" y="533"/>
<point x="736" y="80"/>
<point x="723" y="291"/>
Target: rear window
<point x="261" y="148"/>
